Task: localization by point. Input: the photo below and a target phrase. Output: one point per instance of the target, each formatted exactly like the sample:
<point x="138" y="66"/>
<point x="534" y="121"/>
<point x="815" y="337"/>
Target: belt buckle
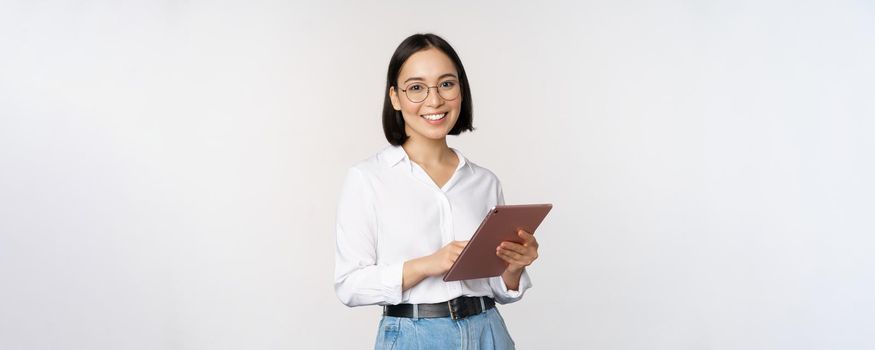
<point x="452" y="312"/>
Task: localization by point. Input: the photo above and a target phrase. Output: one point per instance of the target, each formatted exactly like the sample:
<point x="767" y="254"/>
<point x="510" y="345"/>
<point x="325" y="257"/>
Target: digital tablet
<point x="478" y="259"/>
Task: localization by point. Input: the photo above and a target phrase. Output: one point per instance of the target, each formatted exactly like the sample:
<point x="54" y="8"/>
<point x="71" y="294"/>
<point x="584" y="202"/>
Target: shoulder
<point x="482" y="173"/>
<point x="376" y="163"/>
<point x="361" y="175"/>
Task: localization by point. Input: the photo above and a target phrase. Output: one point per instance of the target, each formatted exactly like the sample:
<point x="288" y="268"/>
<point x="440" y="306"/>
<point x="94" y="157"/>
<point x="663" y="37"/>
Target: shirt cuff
<point x="504" y="295"/>
<point x="391" y="276"/>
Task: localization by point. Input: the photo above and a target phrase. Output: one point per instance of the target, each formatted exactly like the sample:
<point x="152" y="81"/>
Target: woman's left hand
<point x="517" y="255"/>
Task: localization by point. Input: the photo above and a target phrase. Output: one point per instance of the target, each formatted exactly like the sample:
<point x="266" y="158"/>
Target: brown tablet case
<point x="478" y="259"/>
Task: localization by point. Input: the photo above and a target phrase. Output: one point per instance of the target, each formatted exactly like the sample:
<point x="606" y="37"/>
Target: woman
<point x="406" y="213"/>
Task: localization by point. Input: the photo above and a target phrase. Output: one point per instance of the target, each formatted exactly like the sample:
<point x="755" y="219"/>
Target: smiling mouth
<point x="434" y="117"/>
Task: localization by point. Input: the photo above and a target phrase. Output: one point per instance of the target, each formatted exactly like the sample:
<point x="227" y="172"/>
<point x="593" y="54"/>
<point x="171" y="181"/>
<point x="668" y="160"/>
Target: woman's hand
<point x="440" y="261"/>
<point x="518" y="256"/>
<point x="436" y="264"/>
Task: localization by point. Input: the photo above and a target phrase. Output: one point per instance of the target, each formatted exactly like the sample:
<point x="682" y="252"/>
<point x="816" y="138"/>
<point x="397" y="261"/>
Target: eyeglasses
<point x="418" y="92"/>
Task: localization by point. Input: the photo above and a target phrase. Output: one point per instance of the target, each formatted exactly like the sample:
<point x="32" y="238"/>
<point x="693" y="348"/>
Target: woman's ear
<point x="393" y="96"/>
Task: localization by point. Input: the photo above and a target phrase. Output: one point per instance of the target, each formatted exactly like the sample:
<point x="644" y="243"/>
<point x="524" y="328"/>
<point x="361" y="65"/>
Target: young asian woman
<point x="406" y="213"/>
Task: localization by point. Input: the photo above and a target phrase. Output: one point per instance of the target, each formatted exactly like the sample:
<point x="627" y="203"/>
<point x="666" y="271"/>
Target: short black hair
<point x="393" y="121"/>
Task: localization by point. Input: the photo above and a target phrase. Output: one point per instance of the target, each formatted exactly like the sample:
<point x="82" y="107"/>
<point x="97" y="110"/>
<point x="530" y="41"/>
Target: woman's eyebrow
<point x="440" y="77"/>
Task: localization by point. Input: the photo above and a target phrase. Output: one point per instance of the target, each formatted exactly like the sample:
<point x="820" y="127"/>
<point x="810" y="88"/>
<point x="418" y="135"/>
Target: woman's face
<point x="434" y="117"/>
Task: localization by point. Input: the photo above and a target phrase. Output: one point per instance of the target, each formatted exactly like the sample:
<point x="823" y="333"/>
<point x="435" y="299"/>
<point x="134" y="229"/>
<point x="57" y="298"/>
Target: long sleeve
<point x="358" y="278"/>
<point x="499" y="288"/>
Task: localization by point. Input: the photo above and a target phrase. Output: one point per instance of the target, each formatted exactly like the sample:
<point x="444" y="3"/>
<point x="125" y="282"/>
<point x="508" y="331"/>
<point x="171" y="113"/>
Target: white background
<point x="169" y="170"/>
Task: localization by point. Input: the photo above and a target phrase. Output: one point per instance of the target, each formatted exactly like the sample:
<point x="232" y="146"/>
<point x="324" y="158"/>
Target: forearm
<point x="512" y="278"/>
<point x="413" y="273"/>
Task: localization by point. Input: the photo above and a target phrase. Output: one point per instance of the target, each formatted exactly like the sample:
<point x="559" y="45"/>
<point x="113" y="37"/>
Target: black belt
<point x="458" y="308"/>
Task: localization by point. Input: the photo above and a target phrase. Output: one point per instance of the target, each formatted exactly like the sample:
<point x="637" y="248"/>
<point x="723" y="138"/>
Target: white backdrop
<point x="169" y="170"/>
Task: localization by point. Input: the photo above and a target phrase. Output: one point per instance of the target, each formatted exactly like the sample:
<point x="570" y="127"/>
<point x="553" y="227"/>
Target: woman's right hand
<point x="436" y="264"/>
<point x="440" y="261"/>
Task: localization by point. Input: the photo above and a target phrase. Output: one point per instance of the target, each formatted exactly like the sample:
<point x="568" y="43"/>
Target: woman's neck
<point x="427" y="152"/>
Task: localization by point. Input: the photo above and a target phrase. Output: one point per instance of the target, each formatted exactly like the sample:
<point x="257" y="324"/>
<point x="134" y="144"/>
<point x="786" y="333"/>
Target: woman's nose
<point x="433" y="99"/>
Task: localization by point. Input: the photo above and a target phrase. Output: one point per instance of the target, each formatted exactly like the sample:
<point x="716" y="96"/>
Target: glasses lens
<point x="449" y="90"/>
<point x="417" y="92"/>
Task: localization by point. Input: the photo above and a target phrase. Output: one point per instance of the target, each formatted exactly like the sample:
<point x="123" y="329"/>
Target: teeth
<point x="434" y="116"/>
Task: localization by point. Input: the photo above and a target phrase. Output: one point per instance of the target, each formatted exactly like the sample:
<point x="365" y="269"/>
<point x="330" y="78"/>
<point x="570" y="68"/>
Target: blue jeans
<point x="485" y="331"/>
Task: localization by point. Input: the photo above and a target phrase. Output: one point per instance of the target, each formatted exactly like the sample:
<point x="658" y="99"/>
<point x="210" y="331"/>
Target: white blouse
<point x="391" y="211"/>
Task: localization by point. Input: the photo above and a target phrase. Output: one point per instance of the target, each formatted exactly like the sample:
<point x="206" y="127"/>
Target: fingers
<point x="512" y="246"/>
<point x="455" y="249"/>
<point x="506" y="259"/>
<point x="516" y="253"/>
<point x="513" y="258"/>
<point x="510" y="253"/>
<point x="528" y="238"/>
<point x="453" y="258"/>
<point x="455" y="252"/>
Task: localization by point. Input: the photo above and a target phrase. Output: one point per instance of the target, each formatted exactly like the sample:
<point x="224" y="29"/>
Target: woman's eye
<point x="448" y="84"/>
<point x="415" y="87"/>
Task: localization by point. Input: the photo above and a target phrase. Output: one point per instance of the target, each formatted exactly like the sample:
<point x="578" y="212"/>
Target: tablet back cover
<point x="478" y="259"/>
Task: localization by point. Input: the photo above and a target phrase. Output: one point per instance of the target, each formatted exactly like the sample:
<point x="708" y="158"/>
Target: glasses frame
<point x="428" y="92"/>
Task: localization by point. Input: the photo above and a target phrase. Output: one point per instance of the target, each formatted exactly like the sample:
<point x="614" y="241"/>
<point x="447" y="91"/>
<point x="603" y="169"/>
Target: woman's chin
<point x="437" y="134"/>
<point x="431" y="133"/>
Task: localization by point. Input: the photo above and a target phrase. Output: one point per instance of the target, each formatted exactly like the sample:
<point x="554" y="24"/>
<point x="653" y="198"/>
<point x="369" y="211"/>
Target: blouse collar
<point x="393" y="155"/>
